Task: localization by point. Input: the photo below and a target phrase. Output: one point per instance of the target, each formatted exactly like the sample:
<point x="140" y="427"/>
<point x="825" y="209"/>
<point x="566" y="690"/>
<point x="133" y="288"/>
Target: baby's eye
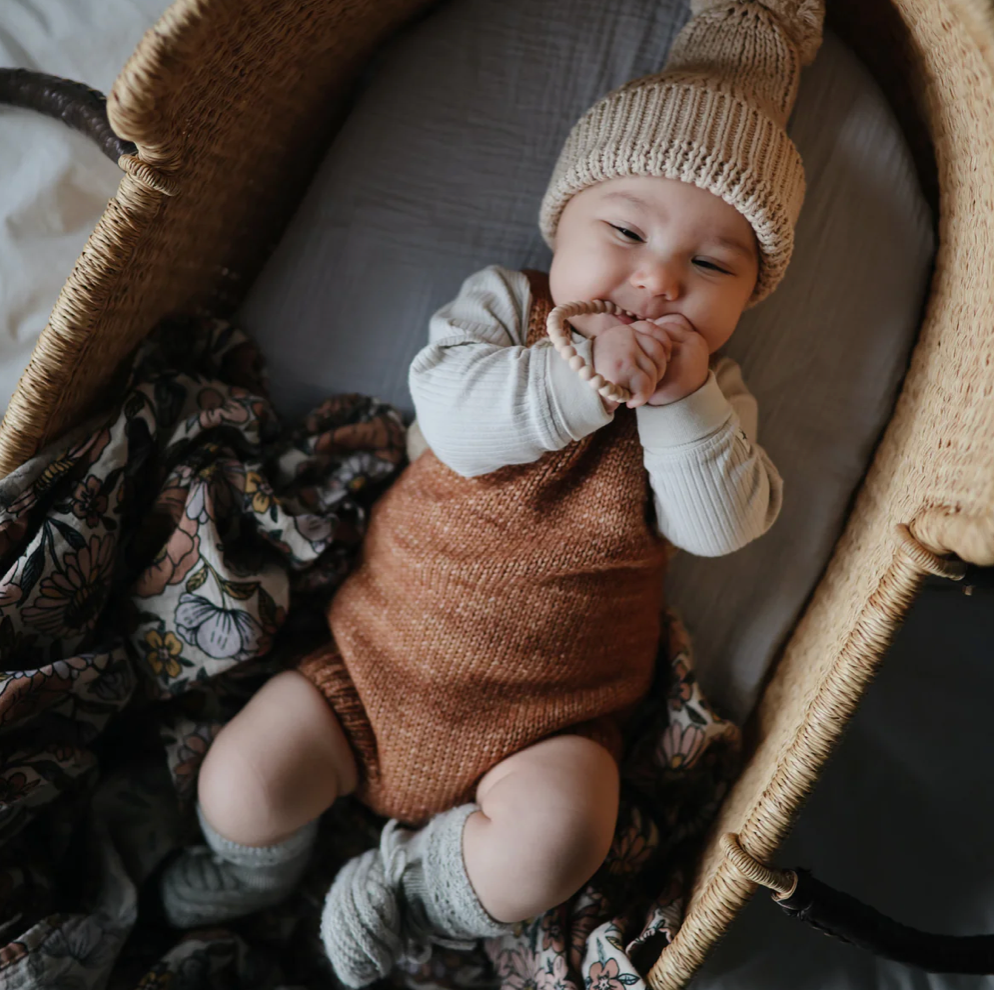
<point x="711" y="266"/>
<point x="627" y="233"/>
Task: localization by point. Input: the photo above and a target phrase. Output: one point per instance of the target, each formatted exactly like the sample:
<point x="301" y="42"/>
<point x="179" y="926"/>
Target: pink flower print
<point x="216" y="409"/>
<point x="11" y="953"/>
<point x="582" y="922"/>
<point x="552" y="975"/>
<point x="189" y="758"/>
<point x="680" y="747"/>
<point x="604" y="976"/>
<point x="15" y="786"/>
<point x="517" y="968"/>
<point x="10" y="594"/>
<point x="87" y="501"/>
<point x="173" y="562"/>
<point x="92" y="446"/>
<point x="24" y="502"/>
<point x="631" y="849"/>
<point x="70" y="600"/>
<point x="553" y="936"/>
<point x="221" y="633"/>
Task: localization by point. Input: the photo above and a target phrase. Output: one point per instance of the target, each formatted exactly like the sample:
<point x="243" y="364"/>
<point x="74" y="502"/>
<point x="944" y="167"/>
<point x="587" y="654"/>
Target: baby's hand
<point x="634" y="356"/>
<point x="687" y="369"/>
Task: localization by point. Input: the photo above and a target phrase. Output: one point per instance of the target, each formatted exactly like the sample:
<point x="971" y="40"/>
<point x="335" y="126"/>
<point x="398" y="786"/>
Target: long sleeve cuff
<point x="577" y="407"/>
<point x="691" y="418"/>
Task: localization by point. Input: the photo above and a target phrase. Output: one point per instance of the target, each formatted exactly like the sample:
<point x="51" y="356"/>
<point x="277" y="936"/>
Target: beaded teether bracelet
<point x="562" y="342"/>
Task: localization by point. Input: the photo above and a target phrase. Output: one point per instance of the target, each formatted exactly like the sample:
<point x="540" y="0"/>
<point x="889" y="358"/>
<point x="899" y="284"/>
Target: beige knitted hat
<point x="715" y="116"/>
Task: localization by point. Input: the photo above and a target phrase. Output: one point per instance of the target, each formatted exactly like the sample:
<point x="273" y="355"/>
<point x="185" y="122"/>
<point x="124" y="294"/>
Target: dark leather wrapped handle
<point x="843" y="916"/>
<point x="75" y="104"/>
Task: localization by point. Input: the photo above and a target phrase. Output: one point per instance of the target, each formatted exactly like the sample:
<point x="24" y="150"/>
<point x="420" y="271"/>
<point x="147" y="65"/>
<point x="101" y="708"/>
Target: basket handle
<point x="842" y="916"/>
<point x="75" y="104"/>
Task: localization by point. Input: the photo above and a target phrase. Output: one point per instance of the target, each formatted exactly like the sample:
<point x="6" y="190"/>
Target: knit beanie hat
<point x="714" y="117"/>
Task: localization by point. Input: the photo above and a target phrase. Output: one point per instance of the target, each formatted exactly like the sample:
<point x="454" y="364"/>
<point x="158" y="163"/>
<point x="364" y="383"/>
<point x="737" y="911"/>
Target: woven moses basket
<point x="221" y="101"/>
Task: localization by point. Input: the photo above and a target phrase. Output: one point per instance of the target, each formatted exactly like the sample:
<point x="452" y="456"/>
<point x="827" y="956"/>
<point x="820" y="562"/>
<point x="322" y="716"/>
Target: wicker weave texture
<point x="230" y="103"/>
<point x="934" y="469"/>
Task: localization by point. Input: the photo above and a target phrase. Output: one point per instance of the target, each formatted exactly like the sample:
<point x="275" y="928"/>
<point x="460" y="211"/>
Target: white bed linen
<point x="55" y="183"/>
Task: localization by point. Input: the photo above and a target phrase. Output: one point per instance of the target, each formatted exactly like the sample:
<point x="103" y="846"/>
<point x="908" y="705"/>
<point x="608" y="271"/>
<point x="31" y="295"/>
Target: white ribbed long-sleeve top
<point x="483" y="400"/>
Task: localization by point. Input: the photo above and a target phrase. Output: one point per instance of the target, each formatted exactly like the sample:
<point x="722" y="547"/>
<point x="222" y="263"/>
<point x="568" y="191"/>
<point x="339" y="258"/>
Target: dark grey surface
<point x="902" y="816"/>
<point x="439" y="170"/>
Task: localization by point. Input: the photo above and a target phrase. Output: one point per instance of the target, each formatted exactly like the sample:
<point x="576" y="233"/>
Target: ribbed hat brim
<point x="679" y="127"/>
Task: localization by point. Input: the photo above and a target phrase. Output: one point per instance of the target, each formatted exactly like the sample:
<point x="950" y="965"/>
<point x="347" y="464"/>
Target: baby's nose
<point x="659" y="279"/>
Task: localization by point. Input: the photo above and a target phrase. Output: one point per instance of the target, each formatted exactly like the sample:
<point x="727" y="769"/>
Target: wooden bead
<point x="562" y="339"/>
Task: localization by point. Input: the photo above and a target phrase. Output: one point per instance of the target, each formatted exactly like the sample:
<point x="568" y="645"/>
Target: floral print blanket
<point x="148" y="564"/>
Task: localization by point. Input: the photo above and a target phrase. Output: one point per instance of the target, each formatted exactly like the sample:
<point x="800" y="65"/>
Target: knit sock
<point x="391" y="903"/>
<point x="224" y="879"/>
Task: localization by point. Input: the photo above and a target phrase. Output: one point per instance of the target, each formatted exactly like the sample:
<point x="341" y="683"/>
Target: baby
<point x="505" y="617"/>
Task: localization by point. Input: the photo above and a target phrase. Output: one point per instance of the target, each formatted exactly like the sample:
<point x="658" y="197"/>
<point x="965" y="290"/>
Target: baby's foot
<point x="223" y="880"/>
<point x="363" y="928"/>
<point x="394" y="902"/>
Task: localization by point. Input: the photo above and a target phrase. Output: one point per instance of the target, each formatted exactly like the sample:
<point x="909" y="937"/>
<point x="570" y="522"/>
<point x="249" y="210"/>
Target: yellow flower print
<point x="156" y="980"/>
<point x="162" y="651"/>
<point x="262" y="497"/>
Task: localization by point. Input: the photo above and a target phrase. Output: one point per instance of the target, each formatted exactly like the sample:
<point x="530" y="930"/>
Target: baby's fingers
<point x="641" y="384"/>
<point x="677" y="326"/>
<point x="649" y="329"/>
<point x="659" y="352"/>
<point x="643" y="381"/>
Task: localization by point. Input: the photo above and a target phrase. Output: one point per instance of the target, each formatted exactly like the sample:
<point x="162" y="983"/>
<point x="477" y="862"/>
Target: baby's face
<point x="655" y="246"/>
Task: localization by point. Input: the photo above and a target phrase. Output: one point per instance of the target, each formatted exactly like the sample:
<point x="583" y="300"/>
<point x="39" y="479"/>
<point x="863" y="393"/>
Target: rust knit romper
<point x="488" y="613"/>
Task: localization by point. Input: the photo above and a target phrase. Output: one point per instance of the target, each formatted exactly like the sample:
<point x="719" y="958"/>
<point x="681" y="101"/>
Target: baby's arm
<point x="715" y="489"/>
<point x="483" y="400"/>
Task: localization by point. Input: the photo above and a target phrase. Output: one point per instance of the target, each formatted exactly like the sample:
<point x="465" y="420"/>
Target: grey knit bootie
<point x="391" y="903"/>
<point x="209" y="884"/>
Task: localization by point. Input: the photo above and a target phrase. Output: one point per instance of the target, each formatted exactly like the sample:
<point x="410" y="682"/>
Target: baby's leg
<point x="277" y="765"/>
<point x="542" y="827"/>
<point x="271" y="771"/>
<point x="546" y="820"/>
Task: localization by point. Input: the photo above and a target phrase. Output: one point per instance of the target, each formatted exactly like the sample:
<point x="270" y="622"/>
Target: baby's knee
<point x="568" y="852"/>
<point x="276" y="766"/>
<point x="548" y="827"/>
<point x="234" y="794"/>
<point x="522" y="868"/>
